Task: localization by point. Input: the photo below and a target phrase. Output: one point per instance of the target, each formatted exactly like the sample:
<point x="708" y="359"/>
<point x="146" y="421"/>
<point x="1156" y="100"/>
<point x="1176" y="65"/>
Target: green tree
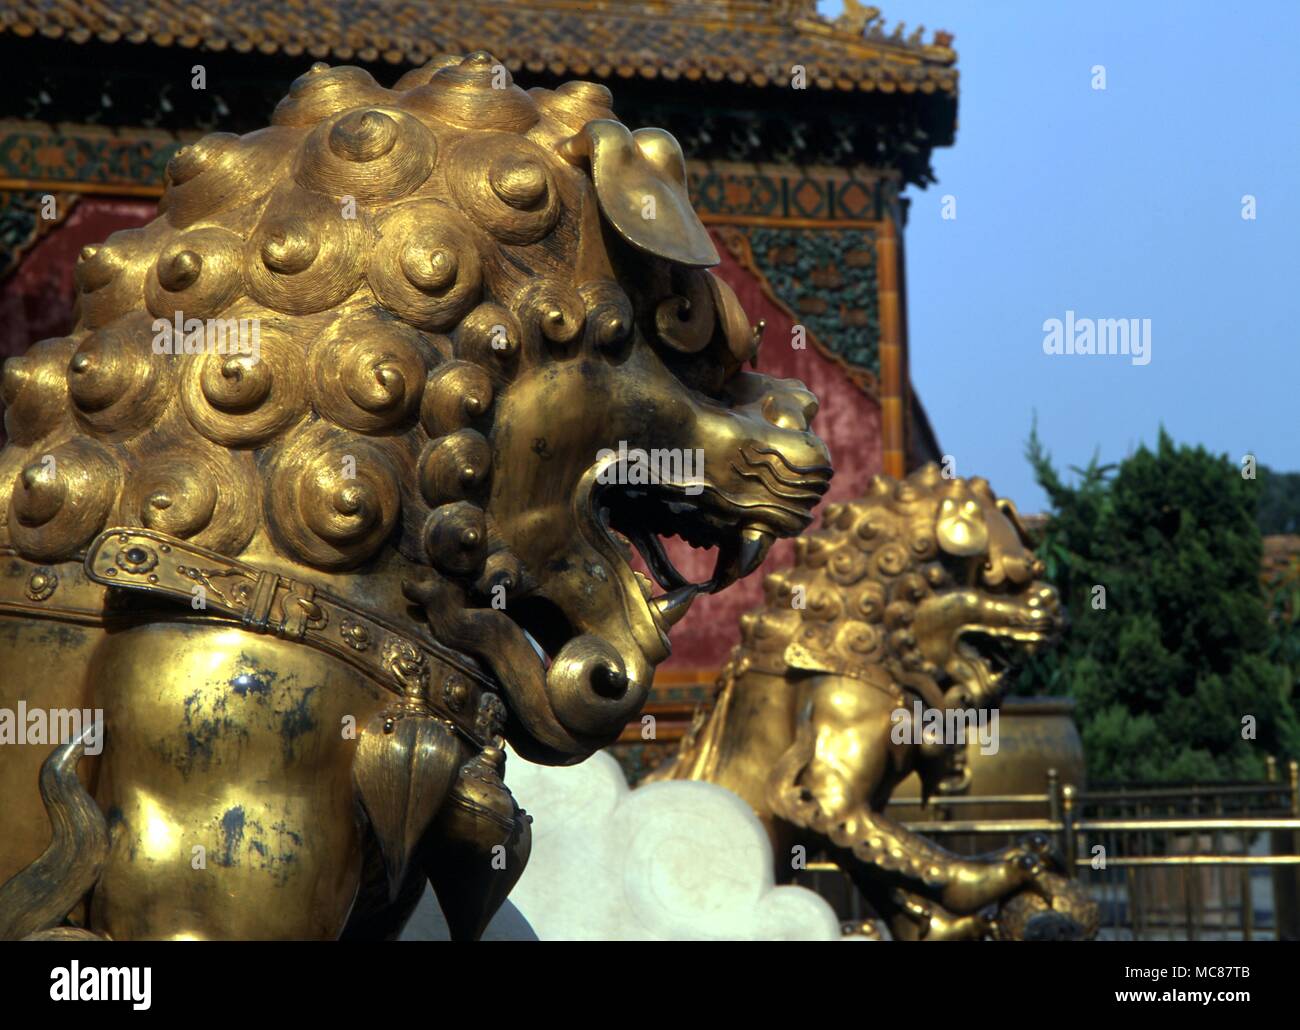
<point x="1279" y="501"/>
<point x="1283" y="592"/>
<point x="1279" y="513"/>
<point x="1168" y="651"/>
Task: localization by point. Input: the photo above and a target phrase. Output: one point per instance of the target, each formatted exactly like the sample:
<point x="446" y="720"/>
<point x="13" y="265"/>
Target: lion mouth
<point x="621" y="517"/>
<point x="1001" y="644"/>
<point x="997" y="651"/>
<point x="991" y="652"/>
<point x="637" y="520"/>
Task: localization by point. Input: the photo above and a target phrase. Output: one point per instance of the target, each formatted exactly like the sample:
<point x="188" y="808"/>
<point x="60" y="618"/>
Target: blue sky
<point x="1122" y="203"/>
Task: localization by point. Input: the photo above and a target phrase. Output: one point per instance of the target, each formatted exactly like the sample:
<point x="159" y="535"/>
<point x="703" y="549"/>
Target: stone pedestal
<point x="668" y="861"/>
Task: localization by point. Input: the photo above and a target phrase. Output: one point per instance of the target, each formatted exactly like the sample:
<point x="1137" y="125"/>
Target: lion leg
<point x="918" y="918"/>
<point x="437" y="808"/>
<point x="961" y="885"/>
<point x="57" y="681"/>
<point x="840" y="770"/>
<point x="227" y="781"/>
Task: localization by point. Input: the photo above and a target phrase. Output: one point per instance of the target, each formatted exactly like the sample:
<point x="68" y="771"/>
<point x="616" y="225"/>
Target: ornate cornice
<point x="792" y="267"/>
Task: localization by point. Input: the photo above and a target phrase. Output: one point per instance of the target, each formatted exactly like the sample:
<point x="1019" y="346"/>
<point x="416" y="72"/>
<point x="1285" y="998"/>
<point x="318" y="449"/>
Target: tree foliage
<point x="1183" y="650"/>
<point x="1279" y="501"/>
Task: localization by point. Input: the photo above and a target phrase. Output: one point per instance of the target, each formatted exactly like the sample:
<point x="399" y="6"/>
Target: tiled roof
<point x="753" y="42"/>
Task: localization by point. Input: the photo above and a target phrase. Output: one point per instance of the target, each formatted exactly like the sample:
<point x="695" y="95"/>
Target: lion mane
<point x="400" y="261"/>
<point x="849" y="602"/>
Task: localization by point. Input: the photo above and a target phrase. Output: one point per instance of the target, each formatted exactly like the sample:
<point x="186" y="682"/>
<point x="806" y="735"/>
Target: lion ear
<point x="640" y="181"/>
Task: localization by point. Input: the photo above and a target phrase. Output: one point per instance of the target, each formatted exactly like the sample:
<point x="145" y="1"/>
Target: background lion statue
<point x="911" y="598"/>
<point x="338" y="559"/>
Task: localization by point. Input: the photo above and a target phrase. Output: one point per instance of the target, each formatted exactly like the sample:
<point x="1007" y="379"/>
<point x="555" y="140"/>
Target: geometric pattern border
<point x="23" y="221"/>
<point x="828" y="280"/>
<point x="78" y="158"/>
<point x="789" y="194"/>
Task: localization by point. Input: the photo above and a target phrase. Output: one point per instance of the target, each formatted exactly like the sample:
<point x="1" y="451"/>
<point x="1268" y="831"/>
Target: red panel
<point x="36" y="300"/>
<point x="849" y="422"/>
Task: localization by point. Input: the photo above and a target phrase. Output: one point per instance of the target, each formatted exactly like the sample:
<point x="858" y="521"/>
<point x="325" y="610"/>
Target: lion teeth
<point x="755" y="542"/>
<point x="741" y="555"/>
<point x="670" y="608"/>
<point x="645" y="583"/>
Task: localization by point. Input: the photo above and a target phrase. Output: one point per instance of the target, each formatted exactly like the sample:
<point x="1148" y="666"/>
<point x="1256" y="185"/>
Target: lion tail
<point x="35" y="900"/>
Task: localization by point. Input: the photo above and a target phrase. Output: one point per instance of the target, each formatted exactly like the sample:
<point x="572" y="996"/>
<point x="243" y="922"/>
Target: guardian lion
<point x="311" y="586"/>
<point x="912" y="598"/>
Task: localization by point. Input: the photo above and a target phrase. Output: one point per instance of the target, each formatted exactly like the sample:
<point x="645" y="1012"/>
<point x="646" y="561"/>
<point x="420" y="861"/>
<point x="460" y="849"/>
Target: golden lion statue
<point x="908" y="600"/>
<point x="304" y="581"/>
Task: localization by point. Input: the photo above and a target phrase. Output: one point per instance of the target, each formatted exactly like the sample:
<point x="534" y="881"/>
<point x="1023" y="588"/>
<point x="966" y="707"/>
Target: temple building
<point x="801" y="135"/>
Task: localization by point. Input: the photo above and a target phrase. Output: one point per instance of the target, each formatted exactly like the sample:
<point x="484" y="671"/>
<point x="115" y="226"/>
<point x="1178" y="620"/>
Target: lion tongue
<point x="740" y="556"/>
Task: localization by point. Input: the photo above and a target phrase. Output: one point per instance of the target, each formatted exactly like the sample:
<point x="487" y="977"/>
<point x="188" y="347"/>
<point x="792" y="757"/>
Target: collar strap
<point x="261" y="601"/>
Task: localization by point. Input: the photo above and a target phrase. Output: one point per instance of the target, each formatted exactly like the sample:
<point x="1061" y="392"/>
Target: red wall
<point x="849" y="422"/>
<point x="36" y="300"/>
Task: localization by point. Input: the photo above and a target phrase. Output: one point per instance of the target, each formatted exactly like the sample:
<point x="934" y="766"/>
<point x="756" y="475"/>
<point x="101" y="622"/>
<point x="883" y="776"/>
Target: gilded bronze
<point x="914" y="597"/>
<point x="310" y="584"/>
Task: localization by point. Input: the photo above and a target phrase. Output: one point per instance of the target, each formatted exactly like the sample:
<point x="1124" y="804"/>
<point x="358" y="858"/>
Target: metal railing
<point x="1194" y="862"/>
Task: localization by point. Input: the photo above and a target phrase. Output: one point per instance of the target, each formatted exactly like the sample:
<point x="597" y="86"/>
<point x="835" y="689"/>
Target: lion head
<point x="471" y="304"/>
<point x="930" y="579"/>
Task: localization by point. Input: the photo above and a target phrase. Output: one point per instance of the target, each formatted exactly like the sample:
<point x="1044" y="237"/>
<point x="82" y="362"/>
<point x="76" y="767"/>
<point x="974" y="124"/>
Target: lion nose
<point x="789" y="405"/>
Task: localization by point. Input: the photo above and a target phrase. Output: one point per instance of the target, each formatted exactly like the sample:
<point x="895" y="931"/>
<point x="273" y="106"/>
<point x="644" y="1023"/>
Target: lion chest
<point x="227" y="772"/>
